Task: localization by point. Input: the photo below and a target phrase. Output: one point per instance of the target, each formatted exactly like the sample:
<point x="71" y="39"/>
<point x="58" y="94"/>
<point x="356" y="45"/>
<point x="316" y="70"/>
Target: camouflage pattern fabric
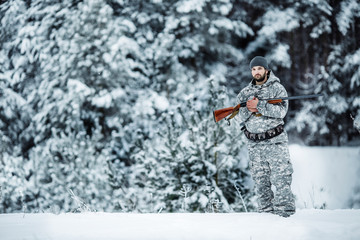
<point x="270" y="164"/>
<point x="271" y="115"/>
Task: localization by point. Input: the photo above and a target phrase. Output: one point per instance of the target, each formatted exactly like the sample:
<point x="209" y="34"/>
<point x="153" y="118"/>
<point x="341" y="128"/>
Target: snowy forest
<point x="106" y="105"/>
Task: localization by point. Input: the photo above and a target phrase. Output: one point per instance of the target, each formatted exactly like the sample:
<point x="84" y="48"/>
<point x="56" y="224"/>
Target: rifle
<point x="233" y="111"/>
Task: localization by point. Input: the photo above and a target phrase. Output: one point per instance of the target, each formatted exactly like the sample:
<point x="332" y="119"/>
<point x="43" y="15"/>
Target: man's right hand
<point x="252" y="104"/>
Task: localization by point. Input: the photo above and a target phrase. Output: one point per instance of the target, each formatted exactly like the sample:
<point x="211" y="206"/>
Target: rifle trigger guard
<point x="228" y="121"/>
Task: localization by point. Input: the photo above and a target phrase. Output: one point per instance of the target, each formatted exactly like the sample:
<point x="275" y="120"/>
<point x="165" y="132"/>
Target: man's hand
<point x="252" y="104"/>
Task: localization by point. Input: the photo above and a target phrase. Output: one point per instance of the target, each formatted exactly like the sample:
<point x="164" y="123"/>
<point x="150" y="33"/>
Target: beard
<point x="261" y="78"/>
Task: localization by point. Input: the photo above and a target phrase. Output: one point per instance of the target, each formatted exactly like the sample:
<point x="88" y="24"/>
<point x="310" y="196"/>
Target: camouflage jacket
<point x="269" y="115"/>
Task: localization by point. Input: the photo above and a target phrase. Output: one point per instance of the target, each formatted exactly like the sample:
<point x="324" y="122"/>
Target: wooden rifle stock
<point x="223" y="113"/>
<point x="232" y="111"/>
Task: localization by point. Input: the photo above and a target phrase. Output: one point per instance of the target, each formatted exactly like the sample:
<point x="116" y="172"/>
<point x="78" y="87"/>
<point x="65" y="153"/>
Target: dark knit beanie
<point x="259" y="61"/>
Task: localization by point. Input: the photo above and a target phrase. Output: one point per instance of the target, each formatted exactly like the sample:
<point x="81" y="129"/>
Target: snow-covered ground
<point x="325" y="175"/>
<point x="322" y="176"/>
<point x="304" y="225"/>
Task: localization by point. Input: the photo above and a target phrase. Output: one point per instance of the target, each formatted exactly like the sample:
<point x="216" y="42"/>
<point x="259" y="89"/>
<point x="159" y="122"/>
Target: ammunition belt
<point x="258" y="137"/>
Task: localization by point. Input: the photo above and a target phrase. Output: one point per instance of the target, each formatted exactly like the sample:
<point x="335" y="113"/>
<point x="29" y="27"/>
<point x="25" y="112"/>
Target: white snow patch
<point x="126" y="45"/>
<point x="117" y="93"/>
<point x="280" y="55"/>
<point x="277" y="20"/>
<point x="224" y="23"/>
<point x="187" y="6"/>
<point x="147" y="103"/>
<point x="337" y="104"/>
<point x="160" y="102"/>
<point x="129" y="25"/>
<point x="78" y="87"/>
<point x="305" y="224"/>
<point x="324" y="176"/>
<point x="103" y="100"/>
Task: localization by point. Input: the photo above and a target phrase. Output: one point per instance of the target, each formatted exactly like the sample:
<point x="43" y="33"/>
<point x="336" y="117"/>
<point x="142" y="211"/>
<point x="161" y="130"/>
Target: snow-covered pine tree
<point x="334" y="72"/>
<point x="15" y="112"/>
<point x="15" y="171"/>
<point x="178" y="48"/>
<point x="195" y="153"/>
<point x="81" y="86"/>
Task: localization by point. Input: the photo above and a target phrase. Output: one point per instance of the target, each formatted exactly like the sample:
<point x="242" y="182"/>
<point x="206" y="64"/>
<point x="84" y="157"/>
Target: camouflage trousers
<point x="271" y="171"/>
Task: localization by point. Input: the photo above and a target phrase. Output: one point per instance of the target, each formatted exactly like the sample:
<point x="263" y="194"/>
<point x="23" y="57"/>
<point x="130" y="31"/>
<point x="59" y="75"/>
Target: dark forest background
<point x="107" y="104"/>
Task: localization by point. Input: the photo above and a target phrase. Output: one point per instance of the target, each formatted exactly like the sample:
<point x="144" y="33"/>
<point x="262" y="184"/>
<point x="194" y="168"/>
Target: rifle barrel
<point x="294" y="97"/>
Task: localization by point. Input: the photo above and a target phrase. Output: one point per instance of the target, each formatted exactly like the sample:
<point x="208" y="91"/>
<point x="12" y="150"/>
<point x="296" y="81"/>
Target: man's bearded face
<point x="258" y="73"/>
